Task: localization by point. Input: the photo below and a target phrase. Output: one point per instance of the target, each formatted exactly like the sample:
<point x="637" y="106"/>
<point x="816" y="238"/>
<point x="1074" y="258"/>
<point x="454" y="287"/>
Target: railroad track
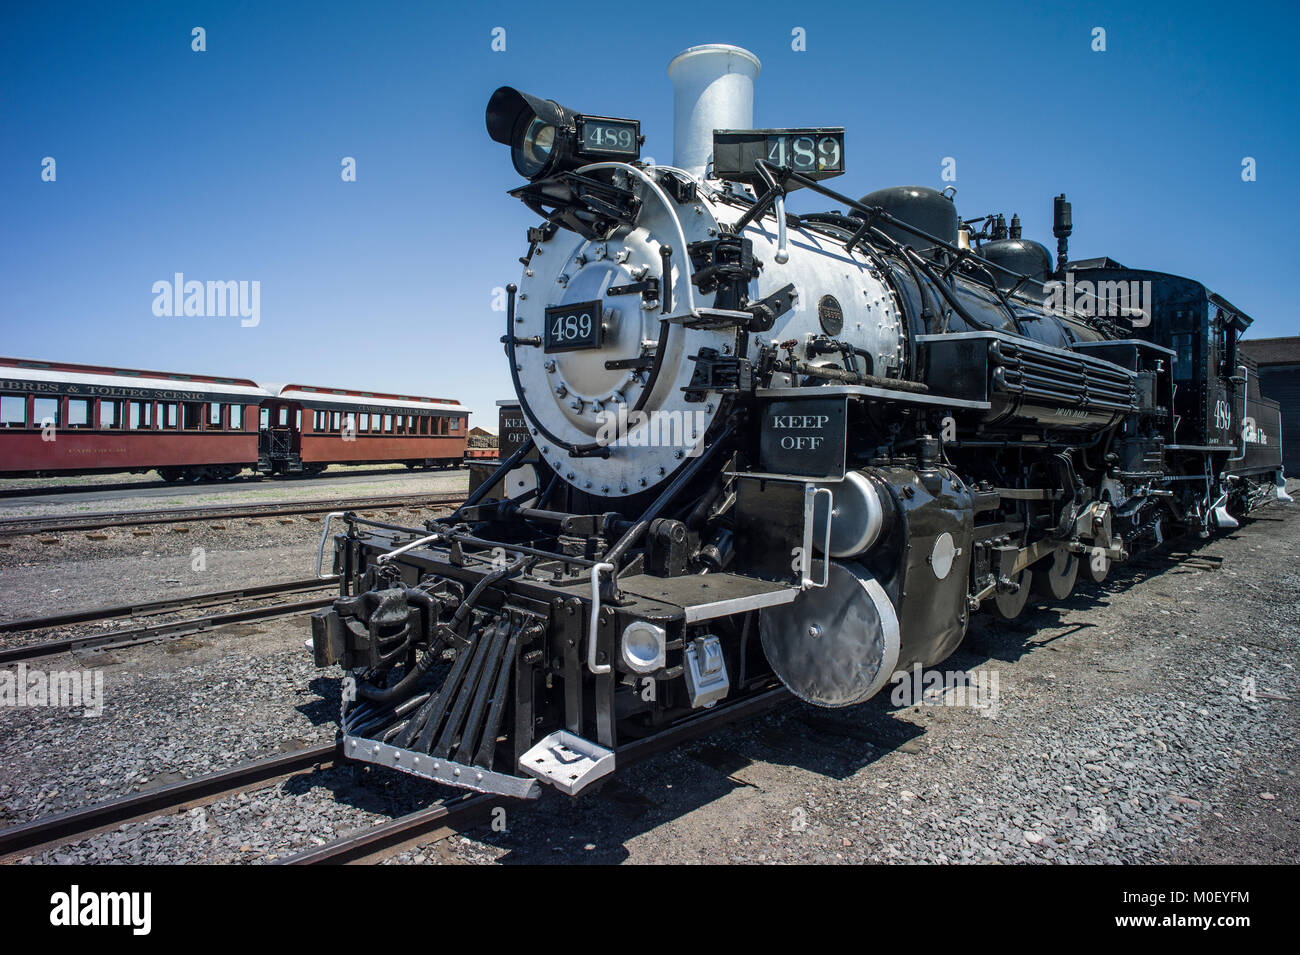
<point x="435" y="822"/>
<point x="73" y="824"/>
<point x="16" y="526"/>
<point x="243" y="480"/>
<point x="148" y="633"/>
<point x="370" y="845"/>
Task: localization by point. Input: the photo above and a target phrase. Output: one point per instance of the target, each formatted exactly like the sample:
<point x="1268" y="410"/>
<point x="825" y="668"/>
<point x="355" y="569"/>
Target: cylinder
<point x="713" y="88"/>
<point x="858" y="516"/>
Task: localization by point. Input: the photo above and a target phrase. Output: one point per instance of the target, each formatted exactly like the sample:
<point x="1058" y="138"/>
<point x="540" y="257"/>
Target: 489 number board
<point x="572" y="327"/>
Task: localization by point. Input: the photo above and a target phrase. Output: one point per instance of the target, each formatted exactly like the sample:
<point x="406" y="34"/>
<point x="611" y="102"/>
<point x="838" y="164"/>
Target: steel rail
<point x="151" y="607"/>
<point x="243" y="480"/>
<point x="32" y="525"/>
<point x="158" y="631"/>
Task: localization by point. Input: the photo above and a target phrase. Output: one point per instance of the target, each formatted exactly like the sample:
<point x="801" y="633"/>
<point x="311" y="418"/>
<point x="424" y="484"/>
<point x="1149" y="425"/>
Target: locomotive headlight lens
<point x="538" y="131"/>
<point x="533" y="150"/>
<point x="643" y="646"/>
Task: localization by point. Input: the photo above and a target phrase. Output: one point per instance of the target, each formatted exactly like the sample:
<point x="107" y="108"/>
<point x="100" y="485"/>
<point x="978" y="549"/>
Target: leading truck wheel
<point x="836" y="645"/>
<point x="1095" y="566"/>
<point x="1055" y="578"/>
<point x="1008" y="605"/>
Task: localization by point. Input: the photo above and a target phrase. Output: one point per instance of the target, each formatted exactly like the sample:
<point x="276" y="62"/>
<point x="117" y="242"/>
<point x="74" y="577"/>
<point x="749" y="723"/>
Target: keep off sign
<point x="804" y="438"/>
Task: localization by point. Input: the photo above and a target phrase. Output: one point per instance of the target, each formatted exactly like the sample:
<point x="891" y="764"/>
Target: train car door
<point x="280" y="434"/>
<point x="1224" y="392"/>
<point x="1226" y="326"/>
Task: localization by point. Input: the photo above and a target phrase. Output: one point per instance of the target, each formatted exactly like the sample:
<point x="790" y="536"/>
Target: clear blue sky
<point x="225" y="165"/>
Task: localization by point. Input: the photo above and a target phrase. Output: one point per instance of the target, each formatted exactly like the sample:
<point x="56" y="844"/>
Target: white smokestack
<point x="713" y="88"/>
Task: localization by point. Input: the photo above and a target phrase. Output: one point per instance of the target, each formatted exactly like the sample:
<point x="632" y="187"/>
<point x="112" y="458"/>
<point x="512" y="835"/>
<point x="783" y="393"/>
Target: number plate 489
<point x="571" y="327"/>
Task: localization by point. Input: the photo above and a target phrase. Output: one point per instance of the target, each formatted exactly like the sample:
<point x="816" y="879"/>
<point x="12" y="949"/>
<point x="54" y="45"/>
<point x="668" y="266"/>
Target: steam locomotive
<point x="755" y="449"/>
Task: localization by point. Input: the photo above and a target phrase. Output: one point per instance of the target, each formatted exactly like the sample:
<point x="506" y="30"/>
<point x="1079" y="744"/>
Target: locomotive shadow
<point x="324" y="707"/>
<point x="1042" y="623"/>
<point x="737" y="763"/>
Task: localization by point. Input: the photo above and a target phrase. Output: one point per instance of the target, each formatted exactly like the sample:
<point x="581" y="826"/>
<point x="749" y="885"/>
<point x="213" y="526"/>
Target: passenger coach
<point x="307" y="429"/>
<point x="58" y="418"/>
<point x="61" y="419"/>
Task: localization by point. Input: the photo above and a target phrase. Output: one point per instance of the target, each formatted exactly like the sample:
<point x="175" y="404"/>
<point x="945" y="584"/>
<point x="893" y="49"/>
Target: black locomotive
<point x="755" y="449"/>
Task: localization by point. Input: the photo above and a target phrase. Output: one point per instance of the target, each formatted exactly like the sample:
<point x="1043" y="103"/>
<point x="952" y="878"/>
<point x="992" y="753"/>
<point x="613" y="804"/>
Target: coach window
<point x="139" y="415"/>
<point x="13" y="411"/>
<point x="78" y="412"/>
<point x="167" y="414"/>
<point x="336" y="422"/>
<point x="284" y="417"/>
<point x="110" y="413"/>
<point x="422" y="424"/>
<point x="455" y="424"/>
<point x="236" y="417"/>
<point x="297" y="420"/>
<point x="214" y="416"/>
<point x="363" y="423"/>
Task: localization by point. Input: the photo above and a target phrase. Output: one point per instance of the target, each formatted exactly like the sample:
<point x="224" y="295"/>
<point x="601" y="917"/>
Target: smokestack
<point x="713" y="88"/>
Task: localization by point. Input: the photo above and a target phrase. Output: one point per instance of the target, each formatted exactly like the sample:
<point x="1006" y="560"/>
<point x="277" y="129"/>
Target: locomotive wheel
<point x="1055" y="578"/>
<point x="1008" y="606"/>
<point x="1095" y="567"/>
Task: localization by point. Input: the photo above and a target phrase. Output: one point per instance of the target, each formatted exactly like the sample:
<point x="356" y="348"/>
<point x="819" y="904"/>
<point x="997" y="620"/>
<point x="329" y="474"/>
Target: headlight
<point x="532" y="151"/>
<point x="643" y="647"/>
<point x="545" y="138"/>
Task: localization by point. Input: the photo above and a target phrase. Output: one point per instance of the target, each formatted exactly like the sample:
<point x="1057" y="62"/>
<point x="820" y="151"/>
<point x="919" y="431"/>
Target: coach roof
<point x="344" y="400"/>
<point x="101" y="381"/>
